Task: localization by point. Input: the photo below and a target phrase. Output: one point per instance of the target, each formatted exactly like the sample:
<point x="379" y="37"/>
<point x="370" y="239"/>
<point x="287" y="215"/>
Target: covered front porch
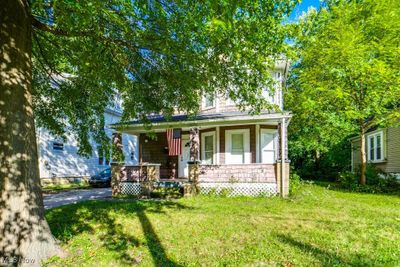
<point x="240" y="152"/>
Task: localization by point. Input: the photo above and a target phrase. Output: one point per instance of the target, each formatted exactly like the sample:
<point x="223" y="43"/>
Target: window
<point x="101" y="160"/>
<point x="237" y="144"/>
<point x="207" y="148"/>
<point x="375" y="149"/>
<point x="237" y="147"/>
<point x="209" y="101"/>
<point x="268" y="145"/>
<point x="230" y="102"/>
<point x="278" y="75"/>
<point x="58" y="146"/>
<point x="269" y="95"/>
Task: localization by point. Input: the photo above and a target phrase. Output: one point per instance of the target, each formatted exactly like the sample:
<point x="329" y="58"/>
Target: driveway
<point x="74" y="196"/>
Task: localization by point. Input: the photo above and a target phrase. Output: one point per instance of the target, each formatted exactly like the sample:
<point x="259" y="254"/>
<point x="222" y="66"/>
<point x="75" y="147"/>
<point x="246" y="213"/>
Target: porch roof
<point x="159" y="122"/>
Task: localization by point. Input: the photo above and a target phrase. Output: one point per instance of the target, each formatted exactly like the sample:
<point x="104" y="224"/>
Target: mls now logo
<point x="15" y="259"/>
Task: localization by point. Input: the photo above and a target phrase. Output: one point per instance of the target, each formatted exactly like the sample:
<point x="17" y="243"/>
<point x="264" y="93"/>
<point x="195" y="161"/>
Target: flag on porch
<point x="174" y="137"/>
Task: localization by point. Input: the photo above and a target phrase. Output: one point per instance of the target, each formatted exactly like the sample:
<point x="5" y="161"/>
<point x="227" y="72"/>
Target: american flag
<point x="174" y="142"/>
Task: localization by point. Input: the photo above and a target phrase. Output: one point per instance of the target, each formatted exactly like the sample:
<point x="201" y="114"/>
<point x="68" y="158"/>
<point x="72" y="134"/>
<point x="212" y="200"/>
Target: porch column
<point x="191" y="188"/>
<point x="116" y="164"/>
<point x="194" y="144"/>
<point x="283" y="163"/>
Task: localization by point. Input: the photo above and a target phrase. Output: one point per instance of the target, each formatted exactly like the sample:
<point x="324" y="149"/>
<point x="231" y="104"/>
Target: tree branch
<point x="44" y="27"/>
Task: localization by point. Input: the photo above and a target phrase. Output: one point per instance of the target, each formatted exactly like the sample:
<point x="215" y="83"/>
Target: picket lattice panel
<point x="131" y="188"/>
<point x="239" y="189"/>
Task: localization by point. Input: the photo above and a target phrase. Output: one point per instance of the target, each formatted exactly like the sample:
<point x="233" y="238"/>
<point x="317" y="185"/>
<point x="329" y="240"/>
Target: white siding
<point x="67" y="162"/>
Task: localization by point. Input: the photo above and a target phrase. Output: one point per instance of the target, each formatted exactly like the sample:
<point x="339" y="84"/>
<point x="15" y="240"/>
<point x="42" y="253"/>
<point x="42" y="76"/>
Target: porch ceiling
<point x="160" y="123"/>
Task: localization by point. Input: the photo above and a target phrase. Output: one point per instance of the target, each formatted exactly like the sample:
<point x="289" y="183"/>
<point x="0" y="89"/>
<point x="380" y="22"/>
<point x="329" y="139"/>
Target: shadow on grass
<point x="324" y="257"/>
<point x="71" y="220"/>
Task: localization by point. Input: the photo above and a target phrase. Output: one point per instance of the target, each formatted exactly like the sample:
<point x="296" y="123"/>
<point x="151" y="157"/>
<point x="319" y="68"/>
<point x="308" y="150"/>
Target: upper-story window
<point x="278" y="76"/>
<point x="229" y="102"/>
<point x="375" y="147"/>
<point x="208" y="101"/>
<point x="272" y="94"/>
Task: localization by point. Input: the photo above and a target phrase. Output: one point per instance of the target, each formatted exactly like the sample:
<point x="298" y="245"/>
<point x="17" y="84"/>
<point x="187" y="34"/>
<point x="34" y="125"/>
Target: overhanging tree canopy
<point x="160" y="55"/>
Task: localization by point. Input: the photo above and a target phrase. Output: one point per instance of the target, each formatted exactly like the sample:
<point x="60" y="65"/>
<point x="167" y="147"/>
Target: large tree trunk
<point x="363" y="157"/>
<point x="25" y="236"/>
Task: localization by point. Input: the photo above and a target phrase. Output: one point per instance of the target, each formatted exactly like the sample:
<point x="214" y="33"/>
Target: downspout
<point x="283" y="136"/>
<point x="284" y="79"/>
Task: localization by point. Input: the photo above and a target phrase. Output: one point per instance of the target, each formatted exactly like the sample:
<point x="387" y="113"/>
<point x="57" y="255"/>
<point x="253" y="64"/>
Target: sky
<point x="302" y="7"/>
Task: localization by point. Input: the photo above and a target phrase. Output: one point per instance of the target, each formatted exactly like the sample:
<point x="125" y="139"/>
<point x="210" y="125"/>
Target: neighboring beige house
<point x="229" y="148"/>
<point x="382" y="148"/>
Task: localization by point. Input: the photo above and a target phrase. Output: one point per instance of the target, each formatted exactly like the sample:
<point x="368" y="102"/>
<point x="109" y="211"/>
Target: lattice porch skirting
<point x="239" y="189"/>
<point x="229" y="189"/>
<point x="129" y="188"/>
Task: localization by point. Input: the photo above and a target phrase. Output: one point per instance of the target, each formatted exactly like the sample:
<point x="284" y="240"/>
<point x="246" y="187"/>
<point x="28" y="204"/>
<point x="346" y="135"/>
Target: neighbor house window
<point x="101" y="155"/>
<point x="375" y="147"/>
<point x="209" y="101"/>
<point x="207" y="148"/>
<point x="101" y="160"/>
<point x="237" y="146"/>
<point x="58" y="146"/>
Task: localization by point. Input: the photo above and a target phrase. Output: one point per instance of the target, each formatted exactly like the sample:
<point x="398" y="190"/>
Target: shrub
<point x="377" y="181"/>
<point x="294" y="183"/>
<point x="166" y="192"/>
<point x="348" y="180"/>
<point x="225" y="192"/>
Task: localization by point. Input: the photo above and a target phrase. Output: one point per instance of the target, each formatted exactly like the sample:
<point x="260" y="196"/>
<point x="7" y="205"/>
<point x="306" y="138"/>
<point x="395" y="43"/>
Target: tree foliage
<point x="346" y="75"/>
<point x="158" y="55"/>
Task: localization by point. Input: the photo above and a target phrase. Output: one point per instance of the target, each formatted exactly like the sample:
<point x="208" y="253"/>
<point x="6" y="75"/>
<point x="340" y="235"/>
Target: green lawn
<point x="317" y="227"/>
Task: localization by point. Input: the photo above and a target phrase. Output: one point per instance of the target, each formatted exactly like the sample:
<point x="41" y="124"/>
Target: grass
<point x="316" y="227"/>
<point x="52" y="189"/>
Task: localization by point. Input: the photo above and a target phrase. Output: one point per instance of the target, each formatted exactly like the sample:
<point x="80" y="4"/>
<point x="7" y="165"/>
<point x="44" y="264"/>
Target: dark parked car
<point x="102" y="178"/>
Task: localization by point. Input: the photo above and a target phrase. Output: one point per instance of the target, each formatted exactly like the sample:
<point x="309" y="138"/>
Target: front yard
<point x="317" y="227"/>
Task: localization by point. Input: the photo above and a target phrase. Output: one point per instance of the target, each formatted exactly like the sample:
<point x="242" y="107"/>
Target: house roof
<point x="199" y="117"/>
<point x="357" y="137"/>
<point x="182" y="120"/>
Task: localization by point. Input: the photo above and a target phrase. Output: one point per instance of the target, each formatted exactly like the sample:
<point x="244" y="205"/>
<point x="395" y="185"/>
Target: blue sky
<point x="303" y="6"/>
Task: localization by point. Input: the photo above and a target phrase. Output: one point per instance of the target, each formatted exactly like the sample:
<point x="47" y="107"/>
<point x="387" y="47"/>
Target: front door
<point x="183" y="167"/>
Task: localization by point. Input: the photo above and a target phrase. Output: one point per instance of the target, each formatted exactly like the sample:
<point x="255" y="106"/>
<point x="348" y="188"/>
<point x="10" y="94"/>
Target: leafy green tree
<point x="347" y="74"/>
<point x="62" y="63"/>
